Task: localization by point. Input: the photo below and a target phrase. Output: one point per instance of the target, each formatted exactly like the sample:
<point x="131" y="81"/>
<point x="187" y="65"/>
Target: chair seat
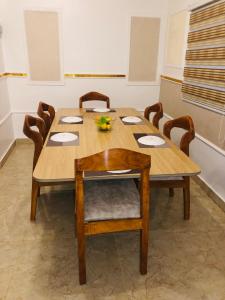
<point x="166" y="178"/>
<point x="111" y="199"/>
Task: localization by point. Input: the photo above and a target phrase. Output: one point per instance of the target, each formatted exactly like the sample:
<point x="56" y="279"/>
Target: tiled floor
<point x="39" y="260"/>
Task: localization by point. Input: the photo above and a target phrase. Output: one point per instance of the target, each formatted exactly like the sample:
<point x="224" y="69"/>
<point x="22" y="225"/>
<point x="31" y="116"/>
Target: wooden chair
<point x="38" y="138"/>
<point x="92" y="96"/>
<point x="47" y="113"/>
<point x="157" y="108"/>
<point x="171" y="182"/>
<point x="112" y="205"/>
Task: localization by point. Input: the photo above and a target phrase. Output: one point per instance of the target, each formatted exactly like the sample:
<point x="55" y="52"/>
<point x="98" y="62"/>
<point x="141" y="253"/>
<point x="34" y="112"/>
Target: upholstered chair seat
<point x="109" y="199"/>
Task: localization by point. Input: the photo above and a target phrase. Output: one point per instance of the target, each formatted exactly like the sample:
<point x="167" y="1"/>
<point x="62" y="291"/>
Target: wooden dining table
<point x="56" y="161"/>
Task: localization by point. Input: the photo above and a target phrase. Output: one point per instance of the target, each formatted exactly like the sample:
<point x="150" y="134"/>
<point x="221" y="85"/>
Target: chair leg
<point x="39" y="191"/>
<point x="75" y="217"/>
<point x="171" y="192"/>
<point x="143" y="251"/>
<point x="34" y="195"/>
<point x="81" y="255"/>
<point x="136" y="181"/>
<point x="186" y="195"/>
<point x="75" y="228"/>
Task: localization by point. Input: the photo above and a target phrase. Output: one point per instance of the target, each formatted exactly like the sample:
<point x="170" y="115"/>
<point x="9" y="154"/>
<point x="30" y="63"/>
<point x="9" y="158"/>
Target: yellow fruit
<point x="103" y="126"/>
<point x="108" y="126"/>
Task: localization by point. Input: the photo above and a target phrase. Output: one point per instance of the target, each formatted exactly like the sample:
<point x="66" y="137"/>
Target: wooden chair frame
<point x="113" y="159"/>
<point x="157" y="108"/>
<point x="47" y="113"/>
<point x="91" y="96"/>
<point x="38" y="138"/>
<point x="185" y="123"/>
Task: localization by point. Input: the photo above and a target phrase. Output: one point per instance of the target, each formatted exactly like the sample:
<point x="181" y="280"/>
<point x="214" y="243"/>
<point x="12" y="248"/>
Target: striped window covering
<point x="204" y="73"/>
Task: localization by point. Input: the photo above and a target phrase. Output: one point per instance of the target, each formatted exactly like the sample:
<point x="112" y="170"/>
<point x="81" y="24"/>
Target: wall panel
<point x="42" y="37"/>
<point x="176" y="38"/>
<point x="208" y="124"/>
<point x="144" y="44"/>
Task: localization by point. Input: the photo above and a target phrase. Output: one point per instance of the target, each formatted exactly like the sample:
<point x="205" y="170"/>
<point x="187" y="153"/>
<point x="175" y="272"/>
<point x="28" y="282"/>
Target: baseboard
<point x="23" y="141"/>
<point x="8" y="152"/>
<point x="219" y="201"/>
<point x="11" y="147"/>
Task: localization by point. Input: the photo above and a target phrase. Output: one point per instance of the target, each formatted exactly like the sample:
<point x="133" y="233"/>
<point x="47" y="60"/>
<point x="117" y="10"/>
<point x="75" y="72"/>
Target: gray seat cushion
<point x="111" y="199"/>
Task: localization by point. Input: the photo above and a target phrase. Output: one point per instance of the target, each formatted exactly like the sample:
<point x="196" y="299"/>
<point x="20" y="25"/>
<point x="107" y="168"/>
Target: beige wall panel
<point x="144" y="44"/>
<point x="42" y="35"/>
<point x="175" y="39"/>
<point x="207" y="123"/>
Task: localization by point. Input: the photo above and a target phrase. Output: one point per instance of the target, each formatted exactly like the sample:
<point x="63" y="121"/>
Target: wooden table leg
<point x="34" y="196"/>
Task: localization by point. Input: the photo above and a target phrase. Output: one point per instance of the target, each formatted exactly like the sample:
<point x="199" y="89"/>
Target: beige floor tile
<point x="39" y="260"/>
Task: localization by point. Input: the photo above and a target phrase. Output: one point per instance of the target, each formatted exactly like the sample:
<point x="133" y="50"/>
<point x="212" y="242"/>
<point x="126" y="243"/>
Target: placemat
<point x="65" y="123"/>
<point x="51" y="143"/>
<point x="96" y="112"/>
<point x="128" y="123"/>
<point x="138" y="135"/>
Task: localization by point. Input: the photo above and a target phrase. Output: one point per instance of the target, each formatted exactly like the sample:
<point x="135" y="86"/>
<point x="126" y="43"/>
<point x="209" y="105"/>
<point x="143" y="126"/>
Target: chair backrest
<point x="47" y="113"/>
<point x="157" y="108"/>
<point x="185" y="123"/>
<point x="36" y="136"/>
<point x="91" y="96"/>
<point x="114" y="159"/>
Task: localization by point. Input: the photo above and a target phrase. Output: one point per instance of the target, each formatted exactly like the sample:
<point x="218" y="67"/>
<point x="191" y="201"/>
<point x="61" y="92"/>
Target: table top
<point x="56" y="163"/>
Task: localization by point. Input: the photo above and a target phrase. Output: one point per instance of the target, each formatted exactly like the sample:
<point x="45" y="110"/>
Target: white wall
<point x="210" y="158"/>
<point x="174" y="7"/>
<point x="6" y="126"/>
<point x="95" y="39"/>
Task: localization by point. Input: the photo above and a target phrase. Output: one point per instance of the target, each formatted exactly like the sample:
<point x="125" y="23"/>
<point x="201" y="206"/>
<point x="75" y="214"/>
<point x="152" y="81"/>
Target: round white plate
<point x="131" y="119"/>
<point x="64" y="137"/>
<point x="71" y="119"/>
<point x="119" y="171"/>
<point x="101" y="109"/>
<point x="151" y="140"/>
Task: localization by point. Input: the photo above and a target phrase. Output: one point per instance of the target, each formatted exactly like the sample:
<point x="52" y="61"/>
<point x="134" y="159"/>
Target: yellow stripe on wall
<point x="6" y="74"/>
<point x="68" y="75"/>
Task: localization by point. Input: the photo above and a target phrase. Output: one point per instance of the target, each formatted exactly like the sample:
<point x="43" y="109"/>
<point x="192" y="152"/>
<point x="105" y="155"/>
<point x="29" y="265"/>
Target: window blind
<point x="204" y="73"/>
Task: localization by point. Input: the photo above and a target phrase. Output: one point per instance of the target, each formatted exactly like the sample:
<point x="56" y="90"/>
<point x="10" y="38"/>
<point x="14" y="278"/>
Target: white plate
<point x="71" y="119"/>
<point x="132" y="119"/>
<point x="64" y="137"/>
<point x="101" y="109"/>
<point x="119" y="171"/>
<point x="151" y="140"/>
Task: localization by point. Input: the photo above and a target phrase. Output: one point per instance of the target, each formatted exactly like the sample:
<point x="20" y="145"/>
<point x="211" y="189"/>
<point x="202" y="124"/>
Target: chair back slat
<point x="186" y="123"/>
<point x="36" y="136"/>
<point x="156" y="108"/>
<point x="113" y="159"/>
<point x="47" y="113"/>
<point x="92" y="96"/>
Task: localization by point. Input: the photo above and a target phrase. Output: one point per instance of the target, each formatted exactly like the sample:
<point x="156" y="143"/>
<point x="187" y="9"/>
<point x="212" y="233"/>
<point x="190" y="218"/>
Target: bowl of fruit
<point x="104" y="123"/>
